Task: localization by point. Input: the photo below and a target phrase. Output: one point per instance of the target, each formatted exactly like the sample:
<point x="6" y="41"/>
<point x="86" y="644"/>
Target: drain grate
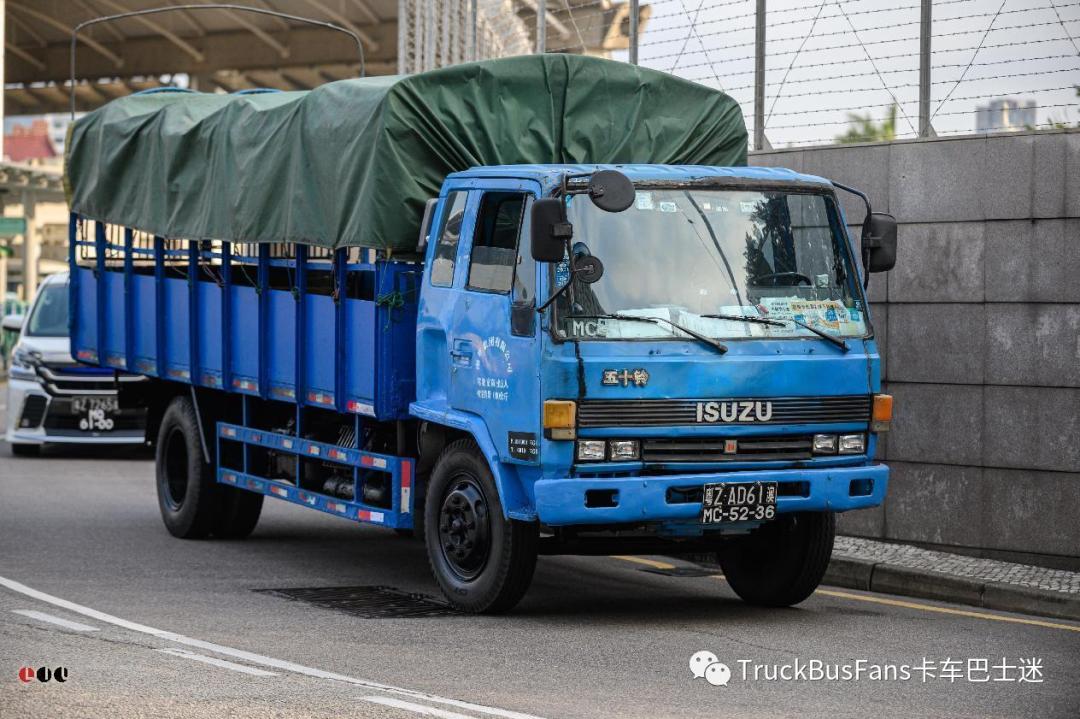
<point x="367" y="602"/>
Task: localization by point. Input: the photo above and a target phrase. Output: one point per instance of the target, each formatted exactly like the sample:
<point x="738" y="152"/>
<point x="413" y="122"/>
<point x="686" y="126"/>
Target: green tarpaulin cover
<point x="352" y="162"/>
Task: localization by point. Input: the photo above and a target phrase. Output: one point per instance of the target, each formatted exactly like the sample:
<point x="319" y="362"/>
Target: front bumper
<point x="55" y="426"/>
<point x="561" y="502"/>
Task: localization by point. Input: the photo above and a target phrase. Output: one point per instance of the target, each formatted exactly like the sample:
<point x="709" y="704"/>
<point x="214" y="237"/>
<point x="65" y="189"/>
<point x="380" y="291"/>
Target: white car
<point x="52" y="398"/>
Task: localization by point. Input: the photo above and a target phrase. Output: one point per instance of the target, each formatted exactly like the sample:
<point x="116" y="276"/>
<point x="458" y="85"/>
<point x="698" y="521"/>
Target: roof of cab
<point x="549" y="174"/>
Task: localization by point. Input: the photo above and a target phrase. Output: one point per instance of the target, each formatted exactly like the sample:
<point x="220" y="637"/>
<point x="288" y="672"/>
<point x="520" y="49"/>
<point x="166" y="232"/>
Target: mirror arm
<point x="864" y="240"/>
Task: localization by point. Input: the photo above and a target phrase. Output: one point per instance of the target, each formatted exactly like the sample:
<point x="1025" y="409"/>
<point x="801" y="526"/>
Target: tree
<point x="865" y="129"/>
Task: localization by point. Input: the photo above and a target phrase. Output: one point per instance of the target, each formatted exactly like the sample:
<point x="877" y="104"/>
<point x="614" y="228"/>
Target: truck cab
<point x="697" y="369"/>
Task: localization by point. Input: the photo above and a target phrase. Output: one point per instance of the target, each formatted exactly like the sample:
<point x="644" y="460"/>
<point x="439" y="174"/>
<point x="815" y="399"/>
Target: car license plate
<point x="741" y="502"/>
<point x="82" y="405"/>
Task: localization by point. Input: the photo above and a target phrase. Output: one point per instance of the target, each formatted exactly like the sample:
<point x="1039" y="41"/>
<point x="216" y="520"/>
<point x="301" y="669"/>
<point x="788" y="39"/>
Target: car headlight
<point x="24" y="359"/>
<point x="824" y="444"/>
<point x="624" y="450"/>
<point x="852" y="444"/>
<point x="591" y="450"/>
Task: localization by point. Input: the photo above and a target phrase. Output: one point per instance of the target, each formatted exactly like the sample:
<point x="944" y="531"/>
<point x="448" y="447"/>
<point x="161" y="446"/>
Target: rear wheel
<point x="782" y="562"/>
<point x="26" y="450"/>
<point x="482" y="561"/>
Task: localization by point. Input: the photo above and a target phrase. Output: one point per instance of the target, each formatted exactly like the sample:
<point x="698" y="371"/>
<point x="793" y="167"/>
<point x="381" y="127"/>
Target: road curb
<point x="892" y="579"/>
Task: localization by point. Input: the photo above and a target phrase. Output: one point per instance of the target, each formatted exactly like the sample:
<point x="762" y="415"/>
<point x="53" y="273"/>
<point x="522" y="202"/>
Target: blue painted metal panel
<point x="115" y="335"/>
<point x="244" y="339"/>
<point x="319" y="348"/>
<point x="208" y="316"/>
<point x="360" y="356"/>
<point x="280" y="357"/>
<point x="175" y="325"/>
<point x="143" y="314"/>
<point x="84" y="339"/>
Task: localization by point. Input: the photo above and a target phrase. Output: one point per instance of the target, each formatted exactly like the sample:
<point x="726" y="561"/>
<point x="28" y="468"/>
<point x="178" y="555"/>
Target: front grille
<point x="33" y="411"/>
<point x="684" y="412"/>
<point x="711" y="449"/>
<point x="74" y="379"/>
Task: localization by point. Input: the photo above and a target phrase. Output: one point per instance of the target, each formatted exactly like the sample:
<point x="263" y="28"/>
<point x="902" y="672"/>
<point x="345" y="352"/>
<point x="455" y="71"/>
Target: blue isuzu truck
<point x="518" y="307"/>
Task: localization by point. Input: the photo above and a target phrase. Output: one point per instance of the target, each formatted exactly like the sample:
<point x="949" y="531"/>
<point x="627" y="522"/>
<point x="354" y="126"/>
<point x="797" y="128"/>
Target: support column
<point x="31" y="250"/>
<point x="759" y="77"/>
<point x="541" y="26"/>
<point x="634" y="10"/>
<point x="925" y="130"/>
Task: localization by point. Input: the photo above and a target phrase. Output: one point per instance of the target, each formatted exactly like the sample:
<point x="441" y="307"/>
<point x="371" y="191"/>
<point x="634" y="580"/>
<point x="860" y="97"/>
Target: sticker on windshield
<point x="822" y="280"/>
<point x="668" y="207"/>
<point x="644" y="201"/>
<point x="747" y="208"/>
<point x="829" y="315"/>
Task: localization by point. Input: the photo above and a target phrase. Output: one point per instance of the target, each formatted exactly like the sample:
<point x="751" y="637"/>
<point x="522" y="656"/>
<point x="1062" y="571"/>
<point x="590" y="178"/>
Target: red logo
<point x="43" y="674"/>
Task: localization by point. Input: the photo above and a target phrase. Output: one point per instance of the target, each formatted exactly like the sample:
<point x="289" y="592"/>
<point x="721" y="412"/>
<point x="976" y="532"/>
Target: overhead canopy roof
<point x="232" y="50"/>
<point x="353" y="162"/>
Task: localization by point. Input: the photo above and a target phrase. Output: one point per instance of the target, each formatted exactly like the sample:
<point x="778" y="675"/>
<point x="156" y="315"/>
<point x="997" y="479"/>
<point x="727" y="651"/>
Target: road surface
<point x="148" y="625"/>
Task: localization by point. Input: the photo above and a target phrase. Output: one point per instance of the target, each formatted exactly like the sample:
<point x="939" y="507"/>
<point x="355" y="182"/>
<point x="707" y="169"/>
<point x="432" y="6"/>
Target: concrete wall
<point x="980" y="328"/>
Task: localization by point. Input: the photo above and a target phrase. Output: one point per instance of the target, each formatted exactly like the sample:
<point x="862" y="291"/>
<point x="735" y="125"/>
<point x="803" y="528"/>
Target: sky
<point x="819" y="71"/>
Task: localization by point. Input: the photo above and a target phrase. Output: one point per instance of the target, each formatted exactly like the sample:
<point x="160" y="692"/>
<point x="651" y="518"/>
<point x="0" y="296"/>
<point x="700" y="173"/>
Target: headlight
<point x="824" y="444"/>
<point x="25" y="359"/>
<point x="852" y="444"/>
<point x="591" y="450"/>
<point x="624" y="450"/>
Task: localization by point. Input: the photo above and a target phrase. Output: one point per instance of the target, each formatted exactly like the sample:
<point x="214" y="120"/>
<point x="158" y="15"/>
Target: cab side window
<point x="449" y="233"/>
<point x="495" y="245"/>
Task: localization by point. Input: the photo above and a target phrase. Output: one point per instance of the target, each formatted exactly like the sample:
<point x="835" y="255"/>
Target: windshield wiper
<point x="719" y="347"/>
<point x="780" y="323"/>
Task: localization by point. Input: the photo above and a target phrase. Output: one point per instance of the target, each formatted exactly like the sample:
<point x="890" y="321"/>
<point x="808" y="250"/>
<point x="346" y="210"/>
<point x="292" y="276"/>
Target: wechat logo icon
<point x="706" y="665"/>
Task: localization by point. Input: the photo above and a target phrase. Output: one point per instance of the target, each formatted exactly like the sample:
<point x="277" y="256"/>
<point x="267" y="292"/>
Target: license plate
<point x="83" y="405"/>
<point x="742" y="502"/>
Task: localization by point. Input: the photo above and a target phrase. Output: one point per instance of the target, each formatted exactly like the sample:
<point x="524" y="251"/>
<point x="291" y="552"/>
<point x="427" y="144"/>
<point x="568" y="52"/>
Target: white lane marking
<point x="43" y="617"/>
<point x="417" y="708"/>
<point x="251" y="657"/>
<point x="217" y="662"/>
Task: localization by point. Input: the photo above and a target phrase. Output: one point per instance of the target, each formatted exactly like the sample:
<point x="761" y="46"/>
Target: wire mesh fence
<point x="833" y="70"/>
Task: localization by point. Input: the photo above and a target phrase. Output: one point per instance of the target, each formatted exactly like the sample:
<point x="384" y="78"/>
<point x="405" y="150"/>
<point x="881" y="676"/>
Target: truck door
<point x="493" y="341"/>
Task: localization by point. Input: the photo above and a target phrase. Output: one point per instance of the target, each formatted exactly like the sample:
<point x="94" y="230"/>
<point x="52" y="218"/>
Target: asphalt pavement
<point x="148" y="625"/>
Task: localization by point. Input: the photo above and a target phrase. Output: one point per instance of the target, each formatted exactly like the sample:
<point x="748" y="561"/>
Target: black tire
<point x="782" y="562"/>
<point x="484" y="563"/>
<point x="187" y="492"/>
<point x="237" y="512"/>
<point x="26" y="450"/>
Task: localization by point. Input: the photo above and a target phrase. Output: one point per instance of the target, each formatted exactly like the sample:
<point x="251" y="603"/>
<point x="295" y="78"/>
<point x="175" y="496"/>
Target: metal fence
<point x="806" y="72"/>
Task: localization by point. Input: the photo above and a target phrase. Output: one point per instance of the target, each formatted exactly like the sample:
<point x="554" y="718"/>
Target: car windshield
<point x="682" y="255"/>
<point x="49" y="318"/>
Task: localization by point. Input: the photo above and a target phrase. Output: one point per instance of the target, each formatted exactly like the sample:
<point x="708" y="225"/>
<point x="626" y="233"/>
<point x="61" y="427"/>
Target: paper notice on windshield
<point x="828" y="315"/>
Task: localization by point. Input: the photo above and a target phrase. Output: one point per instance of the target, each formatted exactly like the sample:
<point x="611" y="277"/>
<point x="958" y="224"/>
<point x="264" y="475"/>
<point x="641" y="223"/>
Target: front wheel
<point x="782" y="562"/>
<point x="482" y="561"/>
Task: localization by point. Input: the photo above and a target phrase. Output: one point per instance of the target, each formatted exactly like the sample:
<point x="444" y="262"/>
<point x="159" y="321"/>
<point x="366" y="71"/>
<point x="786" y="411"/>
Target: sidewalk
<point x="988" y="583"/>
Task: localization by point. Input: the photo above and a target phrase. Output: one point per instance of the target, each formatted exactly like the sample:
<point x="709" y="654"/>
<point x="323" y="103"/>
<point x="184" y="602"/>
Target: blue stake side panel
<point x="400" y="469"/>
<point x="354" y="354"/>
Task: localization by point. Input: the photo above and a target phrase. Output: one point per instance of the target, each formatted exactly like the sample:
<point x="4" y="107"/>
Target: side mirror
<point x="550" y="230"/>
<point x="879" y="242"/>
<point x="13" y="323"/>
<point x="611" y="191"/>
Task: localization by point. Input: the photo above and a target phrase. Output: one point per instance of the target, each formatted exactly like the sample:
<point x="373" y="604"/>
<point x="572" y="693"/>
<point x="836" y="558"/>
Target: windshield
<point x="683" y="254"/>
<point x="49" y="318"/>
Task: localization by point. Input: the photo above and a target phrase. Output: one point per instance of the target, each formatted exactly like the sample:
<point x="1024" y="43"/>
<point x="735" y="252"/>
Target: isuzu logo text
<point x="746" y="410"/>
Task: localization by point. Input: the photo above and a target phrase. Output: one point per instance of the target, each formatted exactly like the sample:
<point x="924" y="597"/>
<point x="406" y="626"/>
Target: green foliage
<point x="865" y="129"/>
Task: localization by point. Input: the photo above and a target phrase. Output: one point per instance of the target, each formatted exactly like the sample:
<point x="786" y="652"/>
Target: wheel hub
<point x="464" y="532"/>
